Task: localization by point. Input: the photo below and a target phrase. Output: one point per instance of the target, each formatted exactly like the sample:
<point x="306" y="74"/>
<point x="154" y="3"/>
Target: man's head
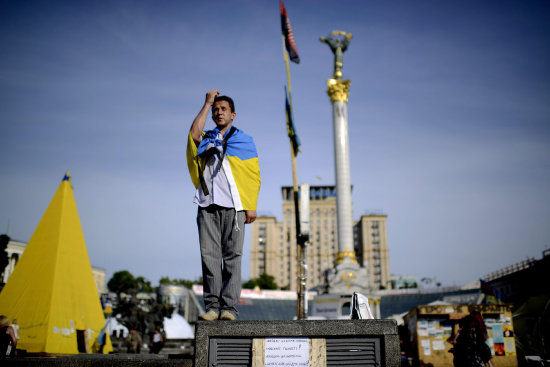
<point x="228" y="99"/>
<point x="223" y="111"/>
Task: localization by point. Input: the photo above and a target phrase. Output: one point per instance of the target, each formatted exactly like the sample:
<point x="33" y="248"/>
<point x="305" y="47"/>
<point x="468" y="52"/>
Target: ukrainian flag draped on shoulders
<point x="241" y="165"/>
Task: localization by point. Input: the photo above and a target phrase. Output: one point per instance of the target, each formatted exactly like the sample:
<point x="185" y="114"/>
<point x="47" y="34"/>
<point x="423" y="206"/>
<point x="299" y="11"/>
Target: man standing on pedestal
<point x="223" y="164"/>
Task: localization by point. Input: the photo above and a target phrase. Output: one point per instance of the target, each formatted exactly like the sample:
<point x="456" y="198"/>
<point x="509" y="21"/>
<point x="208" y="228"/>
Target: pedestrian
<point x="8" y="341"/>
<point x="15" y="327"/>
<point x="470" y="348"/>
<point x="102" y="338"/>
<point x="224" y="168"/>
<point x="133" y="342"/>
<point x="157" y="342"/>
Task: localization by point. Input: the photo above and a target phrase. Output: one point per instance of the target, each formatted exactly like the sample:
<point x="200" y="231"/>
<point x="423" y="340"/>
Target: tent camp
<point x="52" y="292"/>
<point x="177" y="327"/>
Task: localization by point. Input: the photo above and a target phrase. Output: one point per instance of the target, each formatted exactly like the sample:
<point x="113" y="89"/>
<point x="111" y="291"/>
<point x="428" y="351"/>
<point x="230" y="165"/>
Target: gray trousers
<point x="221" y="239"/>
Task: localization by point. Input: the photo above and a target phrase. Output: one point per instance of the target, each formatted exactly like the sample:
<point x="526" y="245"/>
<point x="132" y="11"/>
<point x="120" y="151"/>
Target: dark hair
<point x="228" y="100"/>
<point x="479" y="323"/>
<point x="474" y="321"/>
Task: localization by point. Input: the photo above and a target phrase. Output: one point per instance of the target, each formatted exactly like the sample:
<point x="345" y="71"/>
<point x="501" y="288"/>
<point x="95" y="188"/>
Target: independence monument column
<point x="338" y="91"/>
<point x="347" y="276"/>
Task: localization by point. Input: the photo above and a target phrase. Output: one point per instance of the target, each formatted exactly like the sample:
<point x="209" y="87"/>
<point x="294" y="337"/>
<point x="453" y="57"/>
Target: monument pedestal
<point x="347" y="277"/>
<point x="341" y="282"/>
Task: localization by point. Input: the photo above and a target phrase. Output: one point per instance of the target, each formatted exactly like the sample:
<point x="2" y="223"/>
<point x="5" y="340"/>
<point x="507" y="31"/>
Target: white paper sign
<point x="291" y="352"/>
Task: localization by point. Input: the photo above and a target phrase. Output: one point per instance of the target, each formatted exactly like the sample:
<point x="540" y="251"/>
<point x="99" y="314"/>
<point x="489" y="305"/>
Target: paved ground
<point x="100" y="360"/>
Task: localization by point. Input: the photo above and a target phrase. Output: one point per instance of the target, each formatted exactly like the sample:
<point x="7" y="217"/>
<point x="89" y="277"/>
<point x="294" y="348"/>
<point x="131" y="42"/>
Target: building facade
<point x="273" y="247"/>
<point x="371" y="249"/>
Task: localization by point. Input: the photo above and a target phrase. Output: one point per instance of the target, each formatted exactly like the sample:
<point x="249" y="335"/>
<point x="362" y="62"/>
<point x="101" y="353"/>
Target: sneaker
<point x="211" y="315"/>
<point x="226" y="315"/>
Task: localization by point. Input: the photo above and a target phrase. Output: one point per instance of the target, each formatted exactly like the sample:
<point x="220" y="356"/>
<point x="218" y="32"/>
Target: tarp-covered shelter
<point x="177" y="327"/>
<point x="532" y="323"/>
<point x="52" y="292"/>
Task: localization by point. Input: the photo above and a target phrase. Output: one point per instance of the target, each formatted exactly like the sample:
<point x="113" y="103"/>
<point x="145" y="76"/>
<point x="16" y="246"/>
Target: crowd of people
<point x="134" y="342"/>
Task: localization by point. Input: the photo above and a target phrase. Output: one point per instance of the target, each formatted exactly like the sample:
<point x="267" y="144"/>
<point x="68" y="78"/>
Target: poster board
<point x="430" y="327"/>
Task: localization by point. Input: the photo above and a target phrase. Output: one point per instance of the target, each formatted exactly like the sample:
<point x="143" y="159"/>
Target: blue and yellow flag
<point x="488" y="289"/>
<point x="294" y="139"/>
<point x="241" y="166"/>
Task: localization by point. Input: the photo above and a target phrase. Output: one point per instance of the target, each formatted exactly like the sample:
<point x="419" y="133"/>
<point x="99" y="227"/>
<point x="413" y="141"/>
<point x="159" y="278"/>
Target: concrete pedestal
<point x="227" y="337"/>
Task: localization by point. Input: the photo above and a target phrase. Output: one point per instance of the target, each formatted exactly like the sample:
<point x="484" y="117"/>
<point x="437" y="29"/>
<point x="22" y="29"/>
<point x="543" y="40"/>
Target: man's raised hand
<point x="210" y="96"/>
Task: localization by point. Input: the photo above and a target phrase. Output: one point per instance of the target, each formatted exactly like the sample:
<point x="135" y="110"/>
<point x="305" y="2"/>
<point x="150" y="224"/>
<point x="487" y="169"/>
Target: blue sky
<point x="449" y="121"/>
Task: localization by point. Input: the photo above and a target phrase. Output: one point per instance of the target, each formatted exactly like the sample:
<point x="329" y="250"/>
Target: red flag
<point x="290" y="43"/>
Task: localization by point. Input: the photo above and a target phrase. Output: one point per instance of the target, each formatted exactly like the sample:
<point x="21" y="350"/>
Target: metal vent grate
<point x="353" y="352"/>
<point x="349" y="352"/>
<point x="230" y="352"/>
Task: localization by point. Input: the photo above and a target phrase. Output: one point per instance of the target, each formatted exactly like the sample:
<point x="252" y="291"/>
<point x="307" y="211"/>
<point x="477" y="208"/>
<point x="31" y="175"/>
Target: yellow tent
<point x="52" y="292"/>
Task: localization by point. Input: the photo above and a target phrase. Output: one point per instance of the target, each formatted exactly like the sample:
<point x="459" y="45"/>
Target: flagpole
<point x="287" y="72"/>
<point x="301" y="305"/>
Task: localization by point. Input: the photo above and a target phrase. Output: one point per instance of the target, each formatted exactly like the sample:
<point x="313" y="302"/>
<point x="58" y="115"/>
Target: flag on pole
<point x="294" y="139"/>
<point x="488" y="289"/>
<point x="289" y="36"/>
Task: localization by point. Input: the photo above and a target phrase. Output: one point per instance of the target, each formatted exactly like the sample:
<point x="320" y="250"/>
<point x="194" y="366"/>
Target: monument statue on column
<point x="347" y="276"/>
<point x="338" y="45"/>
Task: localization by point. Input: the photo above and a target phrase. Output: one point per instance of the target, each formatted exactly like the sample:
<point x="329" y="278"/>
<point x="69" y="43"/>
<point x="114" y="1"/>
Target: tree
<point x="264" y="281"/>
<point x="143" y="285"/>
<point x="122" y="282"/>
<point x="142" y="314"/>
<point x="185" y="282"/>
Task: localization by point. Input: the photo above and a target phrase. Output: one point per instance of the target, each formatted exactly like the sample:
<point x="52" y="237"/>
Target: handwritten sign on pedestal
<point x="287" y="352"/>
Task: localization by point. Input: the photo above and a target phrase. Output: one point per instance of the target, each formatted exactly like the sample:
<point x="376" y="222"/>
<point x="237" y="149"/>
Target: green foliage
<point x="265" y="281"/>
<point x="124" y="282"/>
<point x="143" y="314"/>
<point x="185" y="282"/>
<point x="143" y="285"/>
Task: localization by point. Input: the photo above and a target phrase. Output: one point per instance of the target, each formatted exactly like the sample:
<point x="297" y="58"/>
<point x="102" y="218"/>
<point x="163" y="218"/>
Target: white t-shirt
<point x="216" y="182"/>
